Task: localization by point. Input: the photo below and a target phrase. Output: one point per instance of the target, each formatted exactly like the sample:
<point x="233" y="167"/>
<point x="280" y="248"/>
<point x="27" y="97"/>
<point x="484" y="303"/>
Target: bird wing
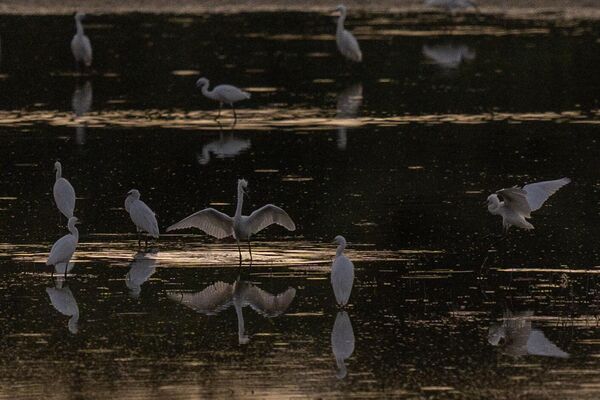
<point x="64" y="196"/>
<point x="209" y="220"/>
<point x="87" y="51"/>
<point x="515" y="198"/>
<point x="539" y="345"/>
<point x="537" y="193"/>
<point x="210" y="301"/>
<point x="342" y="279"/>
<point x="349" y="47"/>
<point x="143" y="217"/>
<point x="63" y="300"/>
<point x="230" y="94"/>
<point x="267" y="215"/>
<point x="267" y="304"/>
<point x="62" y="250"/>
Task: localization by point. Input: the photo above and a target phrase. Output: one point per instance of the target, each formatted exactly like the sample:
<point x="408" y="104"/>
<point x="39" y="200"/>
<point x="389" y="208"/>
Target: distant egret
<point x="346" y="42"/>
<point x="220" y="296"/>
<point x="519" y="203"/>
<point x="348" y="103"/>
<point x="141" y="215"/>
<point x="64" y="248"/>
<point x="141" y="269"/>
<point x="342" y="342"/>
<point x="223" y="94"/>
<point x="342" y="273"/>
<point x="448" y="55"/>
<point x="64" y="194"/>
<point x="451" y="5"/>
<point x="80" y="45"/>
<point x="64" y="302"/>
<point x="517" y="338"/>
<point x="227" y="146"/>
<point x="241" y="227"/>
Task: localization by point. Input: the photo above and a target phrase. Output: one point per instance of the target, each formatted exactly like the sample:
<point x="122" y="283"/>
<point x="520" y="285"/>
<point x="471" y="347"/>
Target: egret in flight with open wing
<point x="80" y="45"/>
<point x="342" y="342"/>
<point x="141" y="215"/>
<point x="64" y="302"/>
<point x="220" y="296"/>
<point x="346" y="42"/>
<point x="227" y="94"/>
<point x="64" y="248"/>
<point x="518" y="203"/>
<point x="241" y="227"/>
<point x="342" y="273"/>
<point x="64" y="194"/>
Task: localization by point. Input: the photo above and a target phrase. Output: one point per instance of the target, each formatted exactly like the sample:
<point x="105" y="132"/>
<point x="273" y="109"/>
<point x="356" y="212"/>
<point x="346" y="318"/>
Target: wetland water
<point x="397" y="154"/>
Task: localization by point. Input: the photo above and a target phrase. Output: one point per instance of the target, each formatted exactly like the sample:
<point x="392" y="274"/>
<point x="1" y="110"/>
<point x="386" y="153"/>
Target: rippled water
<point x="397" y="154"/>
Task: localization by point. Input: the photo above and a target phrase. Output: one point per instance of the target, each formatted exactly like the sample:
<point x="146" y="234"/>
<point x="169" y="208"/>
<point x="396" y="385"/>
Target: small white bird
<point x="141" y="215"/>
<point x="346" y="42"/>
<point x="220" y="296"/>
<point x="519" y="203"/>
<point x="80" y="44"/>
<point x="451" y="5"/>
<point x="64" y="248"/>
<point x="64" y="302"/>
<point x="227" y="146"/>
<point x="141" y="269"/>
<point x="223" y="94"/>
<point x="342" y="342"/>
<point x="241" y="227"/>
<point x="64" y="194"/>
<point x="342" y="273"/>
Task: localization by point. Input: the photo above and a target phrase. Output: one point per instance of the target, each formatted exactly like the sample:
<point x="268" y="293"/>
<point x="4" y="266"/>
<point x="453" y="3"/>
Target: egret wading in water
<point x="342" y="273"/>
<point x="64" y="194"/>
<point x="223" y="94"/>
<point x="346" y="42"/>
<point x="141" y="215"/>
<point x="80" y="44"/>
<point x="64" y="248"/>
<point x="241" y="227"/>
<point x="518" y="203"/>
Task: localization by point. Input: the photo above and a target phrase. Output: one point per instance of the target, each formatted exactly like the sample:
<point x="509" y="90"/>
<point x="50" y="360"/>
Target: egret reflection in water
<point x="82" y="103"/>
<point x="220" y="296"/>
<point x="348" y="103"/>
<point x="64" y="302"/>
<point x="450" y="55"/>
<point x="342" y="342"/>
<point x="516" y="337"/>
<point x="141" y="269"/>
<point x="227" y="146"/>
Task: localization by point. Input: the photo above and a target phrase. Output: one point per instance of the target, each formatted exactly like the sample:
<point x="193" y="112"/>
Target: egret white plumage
<point x="342" y="342"/>
<point x="64" y="194"/>
<point x="342" y="273"/>
<point x="141" y="215"/>
<point x="80" y="44"/>
<point x="346" y="42"/>
<point x="448" y="55"/>
<point x="224" y="94"/>
<point x="64" y="248"/>
<point x="220" y="296"/>
<point x="141" y="269"/>
<point x="64" y="302"/>
<point x="241" y="227"/>
<point x="451" y="5"/>
<point x="518" y="203"/>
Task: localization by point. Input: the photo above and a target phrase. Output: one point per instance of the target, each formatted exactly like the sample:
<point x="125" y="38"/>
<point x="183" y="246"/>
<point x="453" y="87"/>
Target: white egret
<point x="141" y="269"/>
<point x="80" y="45"/>
<point x="346" y="42"/>
<point x="519" y="203"/>
<point x="223" y="94"/>
<point x="64" y="194"/>
<point x="517" y="338"/>
<point x="64" y="302"/>
<point x="342" y="342"/>
<point x="64" y="248"/>
<point x="141" y="215"/>
<point x="448" y="55"/>
<point x="342" y="273"/>
<point x="348" y="103"/>
<point x="81" y="102"/>
<point x="241" y="227"/>
<point x="227" y="146"/>
<point x="451" y="5"/>
<point x="220" y="296"/>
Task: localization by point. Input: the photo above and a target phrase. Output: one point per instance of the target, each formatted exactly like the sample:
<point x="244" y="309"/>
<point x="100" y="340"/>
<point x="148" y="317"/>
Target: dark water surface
<point x="396" y="154"/>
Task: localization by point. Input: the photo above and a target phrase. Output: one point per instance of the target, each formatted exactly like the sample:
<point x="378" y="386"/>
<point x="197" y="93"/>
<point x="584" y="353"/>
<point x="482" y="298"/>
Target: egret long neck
<point x="340" y="250"/>
<point x="74" y="231"/>
<point x="340" y="22"/>
<point x="58" y="171"/>
<point x="240" y="201"/>
<point x="208" y="93"/>
<point x="79" y="26"/>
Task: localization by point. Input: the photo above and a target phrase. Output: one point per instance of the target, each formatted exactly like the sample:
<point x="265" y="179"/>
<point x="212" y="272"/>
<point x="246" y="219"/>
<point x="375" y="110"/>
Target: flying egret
<point x="519" y="339"/>
<point x="451" y="5"/>
<point x="346" y="42"/>
<point x="342" y="273"/>
<point x="448" y="56"/>
<point x="64" y="302"/>
<point x="80" y="45"/>
<point x="220" y="296"/>
<point x="342" y="342"/>
<point x="64" y="194"/>
<point x="141" y="215"/>
<point x="519" y="203"/>
<point x="63" y="248"/>
<point x="348" y="103"/>
<point x="223" y="94"/>
<point x="241" y="227"/>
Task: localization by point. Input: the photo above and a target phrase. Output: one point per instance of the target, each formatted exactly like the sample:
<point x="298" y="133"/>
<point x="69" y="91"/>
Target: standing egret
<point x="451" y="5"/>
<point x="342" y="273"/>
<point x="342" y="342"/>
<point x="223" y="94"/>
<point x="64" y="302"/>
<point x="64" y="194"/>
<point x="520" y="202"/>
<point x="80" y="45"/>
<point x="63" y="248"/>
<point x="141" y="269"/>
<point x="241" y="227"/>
<point x="346" y="42"/>
<point x="141" y="215"/>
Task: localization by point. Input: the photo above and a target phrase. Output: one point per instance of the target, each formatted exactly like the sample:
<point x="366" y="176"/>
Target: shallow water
<point x="397" y="155"/>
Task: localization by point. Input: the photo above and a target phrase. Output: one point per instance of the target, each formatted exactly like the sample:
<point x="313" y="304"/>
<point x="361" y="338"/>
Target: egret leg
<point x="234" y="114"/>
<point x="67" y="267"/>
<point x="146" y="241"/>
<point x="139" y="237"/>
<point x="250" y="250"/>
<point x="219" y="113"/>
<point x="240" y="251"/>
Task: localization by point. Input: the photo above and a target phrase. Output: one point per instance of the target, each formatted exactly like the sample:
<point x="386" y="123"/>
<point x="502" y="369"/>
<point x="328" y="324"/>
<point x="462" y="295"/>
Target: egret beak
<point x="246" y="193"/>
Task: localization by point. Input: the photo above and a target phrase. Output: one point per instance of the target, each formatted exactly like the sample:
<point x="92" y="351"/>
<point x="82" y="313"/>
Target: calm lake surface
<point x="397" y="154"/>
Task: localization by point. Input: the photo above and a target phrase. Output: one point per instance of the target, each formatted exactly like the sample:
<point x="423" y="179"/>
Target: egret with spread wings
<point x="518" y="203"/>
<point x="241" y="227"/>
